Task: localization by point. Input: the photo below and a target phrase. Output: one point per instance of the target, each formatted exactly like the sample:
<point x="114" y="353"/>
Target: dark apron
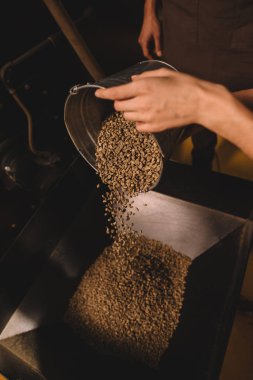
<point x="213" y="40"/>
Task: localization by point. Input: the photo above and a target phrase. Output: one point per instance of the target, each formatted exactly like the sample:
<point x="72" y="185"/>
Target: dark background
<point x="42" y="81"/>
<point x="25" y="23"/>
<point x="110" y="28"/>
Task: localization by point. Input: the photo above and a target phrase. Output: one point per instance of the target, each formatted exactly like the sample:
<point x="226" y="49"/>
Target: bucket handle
<point x="74" y="90"/>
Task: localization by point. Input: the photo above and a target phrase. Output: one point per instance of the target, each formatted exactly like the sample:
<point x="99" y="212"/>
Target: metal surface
<point x="15" y="368"/>
<point x="84" y="113"/>
<point x="22" y="262"/>
<point x="213" y="284"/>
<point x="190" y="229"/>
<point x="48" y="295"/>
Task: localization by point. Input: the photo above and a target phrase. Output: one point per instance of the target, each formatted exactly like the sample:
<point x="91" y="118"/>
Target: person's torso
<point x="206" y="37"/>
<point x="218" y="23"/>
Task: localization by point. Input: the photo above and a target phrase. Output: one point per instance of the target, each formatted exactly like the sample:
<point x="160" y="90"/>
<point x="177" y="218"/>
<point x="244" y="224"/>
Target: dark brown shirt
<point x="212" y="39"/>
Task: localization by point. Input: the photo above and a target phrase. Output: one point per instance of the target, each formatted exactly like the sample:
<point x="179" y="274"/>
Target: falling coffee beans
<point x="128" y="302"/>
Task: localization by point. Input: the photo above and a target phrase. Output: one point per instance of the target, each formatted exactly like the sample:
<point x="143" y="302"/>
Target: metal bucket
<point x="84" y="112"/>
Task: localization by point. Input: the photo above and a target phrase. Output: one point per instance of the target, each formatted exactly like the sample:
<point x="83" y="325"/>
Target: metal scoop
<point x="84" y="113"/>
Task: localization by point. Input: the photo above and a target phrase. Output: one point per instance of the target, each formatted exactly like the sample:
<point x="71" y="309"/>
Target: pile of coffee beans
<point x="128" y="302"/>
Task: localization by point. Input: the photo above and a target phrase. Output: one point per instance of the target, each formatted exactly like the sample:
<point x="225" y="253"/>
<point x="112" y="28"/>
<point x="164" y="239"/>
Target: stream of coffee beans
<point x="128" y="302"/>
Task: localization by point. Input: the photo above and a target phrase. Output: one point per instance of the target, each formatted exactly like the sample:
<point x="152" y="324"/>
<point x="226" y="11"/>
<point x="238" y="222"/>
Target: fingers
<point x="135" y="116"/>
<point x="127" y="105"/>
<point x="152" y="127"/>
<point x="157" y="41"/>
<point x="145" y="50"/>
<point x="142" y="126"/>
<point x="125" y="91"/>
<point x="164" y="72"/>
<point x="144" y="42"/>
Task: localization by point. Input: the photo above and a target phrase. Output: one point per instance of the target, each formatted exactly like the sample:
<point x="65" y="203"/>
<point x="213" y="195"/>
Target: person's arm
<point x="224" y="114"/>
<point x="162" y="99"/>
<point x="151" y="31"/>
<point x="246" y="97"/>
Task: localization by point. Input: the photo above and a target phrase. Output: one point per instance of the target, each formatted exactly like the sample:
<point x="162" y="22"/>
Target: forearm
<point x="150" y="7"/>
<point x="222" y="113"/>
<point x="247" y="143"/>
<point x="246" y="97"/>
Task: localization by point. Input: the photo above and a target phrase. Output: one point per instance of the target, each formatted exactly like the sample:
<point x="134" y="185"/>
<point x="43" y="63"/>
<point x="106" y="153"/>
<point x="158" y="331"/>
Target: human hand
<point x="162" y="99"/>
<point x="157" y="100"/>
<point x="150" y="32"/>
